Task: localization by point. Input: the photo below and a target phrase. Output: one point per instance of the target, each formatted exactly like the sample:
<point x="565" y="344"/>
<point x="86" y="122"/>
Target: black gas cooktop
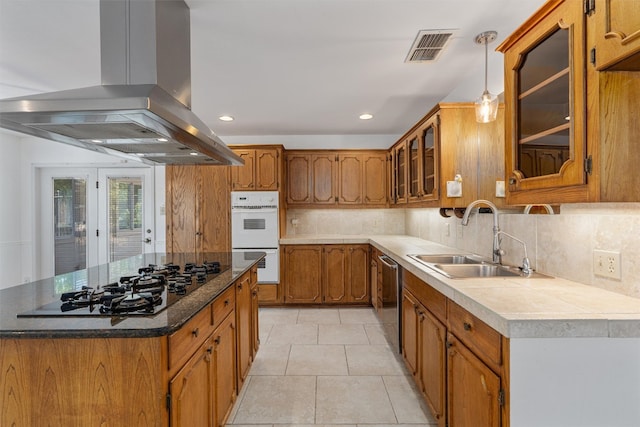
<point x="151" y="290"/>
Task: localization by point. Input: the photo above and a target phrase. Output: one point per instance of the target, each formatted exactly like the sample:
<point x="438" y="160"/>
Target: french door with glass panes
<point x="91" y="216"/>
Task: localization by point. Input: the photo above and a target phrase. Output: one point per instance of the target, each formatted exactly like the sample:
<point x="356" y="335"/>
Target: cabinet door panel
<point x="334" y="273"/>
<point x="323" y="179"/>
<point x="267" y="170"/>
<point x="473" y="389"/>
<point x="617" y="35"/>
<point x="410" y="332"/>
<point x="181" y="203"/>
<point x="243" y="325"/>
<point x="215" y="210"/>
<point x="224" y="352"/>
<point x="375" y="179"/>
<point x="350" y="179"/>
<point x="192" y="392"/>
<point x="432" y="370"/>
<point x="243" y="176"/>
<point x="545" y="93"/>
<point x="302" y="274"/>
<point x="357" y="275"/>
<point x="298" y="179"/>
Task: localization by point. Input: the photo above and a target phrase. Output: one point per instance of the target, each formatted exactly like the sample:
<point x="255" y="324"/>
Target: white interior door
<point x="126" y="214"/>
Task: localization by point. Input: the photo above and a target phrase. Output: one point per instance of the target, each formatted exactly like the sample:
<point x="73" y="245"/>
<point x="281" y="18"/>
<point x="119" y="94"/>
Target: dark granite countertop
<point x="24" y="298"/>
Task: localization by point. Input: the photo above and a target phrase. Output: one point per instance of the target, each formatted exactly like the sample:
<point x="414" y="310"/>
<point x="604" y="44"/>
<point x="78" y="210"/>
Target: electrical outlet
<point x="607" y="264"/>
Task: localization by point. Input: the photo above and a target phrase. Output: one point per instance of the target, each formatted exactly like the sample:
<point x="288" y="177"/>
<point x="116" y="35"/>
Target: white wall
<point x="19" y="158"/>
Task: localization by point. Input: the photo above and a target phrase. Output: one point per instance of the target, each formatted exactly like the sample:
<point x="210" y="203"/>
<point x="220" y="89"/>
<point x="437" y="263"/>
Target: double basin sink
<point x="469" y="266"/>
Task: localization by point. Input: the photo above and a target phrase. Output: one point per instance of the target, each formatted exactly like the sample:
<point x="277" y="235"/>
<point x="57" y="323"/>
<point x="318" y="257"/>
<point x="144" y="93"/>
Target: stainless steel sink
<point x="466" y="266"/>
<point x="447" y="259"/>
<point x="462" y="271"/>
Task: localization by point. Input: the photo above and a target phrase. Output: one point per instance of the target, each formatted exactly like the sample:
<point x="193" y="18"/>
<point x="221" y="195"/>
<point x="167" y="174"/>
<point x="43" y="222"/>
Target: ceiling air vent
<point x="428" y="45"/>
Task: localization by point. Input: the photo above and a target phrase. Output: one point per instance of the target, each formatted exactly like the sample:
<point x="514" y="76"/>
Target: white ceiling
<point x="281" y="67"/>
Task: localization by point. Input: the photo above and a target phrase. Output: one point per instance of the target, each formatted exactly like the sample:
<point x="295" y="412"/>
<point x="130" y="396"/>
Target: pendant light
<point x="487" y="104"/>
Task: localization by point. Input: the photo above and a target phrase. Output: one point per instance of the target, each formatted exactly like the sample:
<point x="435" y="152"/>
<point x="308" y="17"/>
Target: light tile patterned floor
<point x="323" y="367"/>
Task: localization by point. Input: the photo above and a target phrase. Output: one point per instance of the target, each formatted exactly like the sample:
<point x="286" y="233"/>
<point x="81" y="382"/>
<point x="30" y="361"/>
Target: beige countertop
<point x="515" y="307"/>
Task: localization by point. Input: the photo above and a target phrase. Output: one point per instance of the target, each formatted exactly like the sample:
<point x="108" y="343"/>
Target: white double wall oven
<point x="254" y="227"/>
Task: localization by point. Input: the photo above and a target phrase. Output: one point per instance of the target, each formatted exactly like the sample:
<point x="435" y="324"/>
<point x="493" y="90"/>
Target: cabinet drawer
<point x="223" y="305"/>
<point x="184" y="342"/>
<point x="481" y="338"/>
<point x="433" y="300"/>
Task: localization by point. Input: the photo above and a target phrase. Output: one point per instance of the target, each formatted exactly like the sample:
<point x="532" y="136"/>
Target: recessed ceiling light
<point x="97" y="141"/>
<point x="162" y="139"/>
<point x="193" y="153"/>
<point x="366" y="116"/>
<point x="226" y="118"/>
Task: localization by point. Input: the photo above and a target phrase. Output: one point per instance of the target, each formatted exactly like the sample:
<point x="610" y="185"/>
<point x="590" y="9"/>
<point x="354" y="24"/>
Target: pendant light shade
<point x="487" y="104"/>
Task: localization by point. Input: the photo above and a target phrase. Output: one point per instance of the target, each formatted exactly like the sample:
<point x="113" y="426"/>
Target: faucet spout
<point x="497" y="256"/>
<point x="526" y="264"/>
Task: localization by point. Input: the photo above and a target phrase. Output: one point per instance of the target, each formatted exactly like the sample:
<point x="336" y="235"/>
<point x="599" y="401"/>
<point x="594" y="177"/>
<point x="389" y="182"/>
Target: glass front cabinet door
<point x="545" y="90"/>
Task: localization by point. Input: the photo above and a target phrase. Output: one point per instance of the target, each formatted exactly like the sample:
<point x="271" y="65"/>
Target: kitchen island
<point x="181" y="363"/>
<point x="570" y="352"/>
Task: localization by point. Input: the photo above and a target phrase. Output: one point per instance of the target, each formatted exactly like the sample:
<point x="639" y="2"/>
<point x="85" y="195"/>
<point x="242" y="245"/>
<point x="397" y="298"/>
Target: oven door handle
<point x="257" y="211"/>
<point x="384" y="259"/>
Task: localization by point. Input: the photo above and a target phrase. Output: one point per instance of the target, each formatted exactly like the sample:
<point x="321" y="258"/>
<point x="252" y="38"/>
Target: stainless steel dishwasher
<point x="390" y="315"/>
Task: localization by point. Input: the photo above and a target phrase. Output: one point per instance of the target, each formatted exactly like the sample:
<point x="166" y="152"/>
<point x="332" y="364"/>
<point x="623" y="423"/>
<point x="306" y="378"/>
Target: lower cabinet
<point x="245" y="285"/>
<point x="224" y="369"/>
<point x="192" y="390"/>
<point x="331" y="274"/>
<point x="424" y="353"/>
<point x="204" y="390"/>
<point x="474" y="393"/>
<point x="457" y="361"/>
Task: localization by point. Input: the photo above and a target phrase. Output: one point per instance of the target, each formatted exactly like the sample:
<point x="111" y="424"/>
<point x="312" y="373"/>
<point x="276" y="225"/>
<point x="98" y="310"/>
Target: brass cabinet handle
<point x="466" y="326"/>
<point x="217" y="340"/>
<point x="195" y="332"/>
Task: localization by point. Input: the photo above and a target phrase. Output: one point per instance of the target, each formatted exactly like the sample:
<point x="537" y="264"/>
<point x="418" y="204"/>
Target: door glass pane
<point x="69" y="226"/>
<point x="429" y="174"/>
<point x="400" y="169"/>
<point x="413" y="167"/>
<point x="125" y="217"/>
<point x="544" y="108"/>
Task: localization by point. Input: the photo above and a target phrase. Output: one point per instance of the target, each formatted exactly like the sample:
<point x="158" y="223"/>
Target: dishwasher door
<point x="390" y="315"/>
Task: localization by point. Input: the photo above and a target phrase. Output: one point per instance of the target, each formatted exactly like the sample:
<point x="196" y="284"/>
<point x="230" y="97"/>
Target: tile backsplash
<point x="345" y="221"/>
<point x="560" y="245"/>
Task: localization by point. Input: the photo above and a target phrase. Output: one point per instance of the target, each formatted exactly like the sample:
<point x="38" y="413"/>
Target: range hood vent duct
<point x="142" y="110"/>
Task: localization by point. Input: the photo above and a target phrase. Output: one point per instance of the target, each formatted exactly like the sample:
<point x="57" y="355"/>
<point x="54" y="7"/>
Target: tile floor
<point x="327" y="366"/>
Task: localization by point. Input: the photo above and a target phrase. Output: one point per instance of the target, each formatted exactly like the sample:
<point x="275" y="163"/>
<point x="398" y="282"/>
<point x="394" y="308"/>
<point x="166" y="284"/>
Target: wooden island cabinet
<point x="189" y="377"/>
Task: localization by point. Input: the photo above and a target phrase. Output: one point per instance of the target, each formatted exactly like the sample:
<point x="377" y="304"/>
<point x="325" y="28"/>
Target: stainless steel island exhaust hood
<point x="142" y="108"/>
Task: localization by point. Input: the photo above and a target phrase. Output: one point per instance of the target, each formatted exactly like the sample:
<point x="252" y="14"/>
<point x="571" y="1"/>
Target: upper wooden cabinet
<point x="336" y="178"/>
<point x="545" y="99"/>
<point x="197" y="208"/>
<point x="415" y="163"/>
<point x="617" y="43"/>
<point x="262" y="170"/>
<point x="446" y="143"/>
<point x="569" y="127"/>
